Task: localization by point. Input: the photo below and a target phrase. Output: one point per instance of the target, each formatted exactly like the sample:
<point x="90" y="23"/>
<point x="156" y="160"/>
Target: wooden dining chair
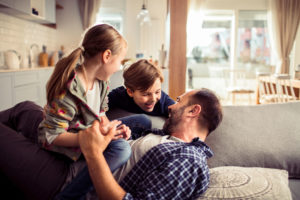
<point x="275" y="88"/>
<point x="284" y="88"/>
<point x="236" y="84"/>
<point x="266" y="90"/>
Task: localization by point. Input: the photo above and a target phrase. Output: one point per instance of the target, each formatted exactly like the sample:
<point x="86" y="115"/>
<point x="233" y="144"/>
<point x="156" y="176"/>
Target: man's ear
<point x="106" y="55"/>
<point x="129" y="92"/>
<point x="195" y="110"/>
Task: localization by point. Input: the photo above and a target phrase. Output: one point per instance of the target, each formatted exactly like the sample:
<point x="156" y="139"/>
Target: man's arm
<point x="92" y="144"/>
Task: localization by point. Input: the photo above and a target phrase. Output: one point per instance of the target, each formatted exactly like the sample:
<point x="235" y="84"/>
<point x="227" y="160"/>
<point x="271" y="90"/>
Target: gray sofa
<point x="256" y="152"/>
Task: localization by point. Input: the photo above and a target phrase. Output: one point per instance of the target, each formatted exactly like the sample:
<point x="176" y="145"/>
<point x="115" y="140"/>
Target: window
<point x="253" y="48"/>
<point x="211" y="44"/>
<point x="208" y="48"/>
<point x="115" y="20"/>
<point x="226" y="39"/>
<point x="112" y="12"/>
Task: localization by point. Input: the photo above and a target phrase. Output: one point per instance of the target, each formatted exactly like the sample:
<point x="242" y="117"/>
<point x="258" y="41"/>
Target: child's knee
<point x="117" y="153"/>
<point x="123" y="149"/>
<point x="145" y="120"/>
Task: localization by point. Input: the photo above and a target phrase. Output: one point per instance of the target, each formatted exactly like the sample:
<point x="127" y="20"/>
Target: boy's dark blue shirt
<point x="118" y="98"/>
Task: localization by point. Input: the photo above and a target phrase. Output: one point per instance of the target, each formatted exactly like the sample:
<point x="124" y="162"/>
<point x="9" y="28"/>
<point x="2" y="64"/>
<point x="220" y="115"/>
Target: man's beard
<point x="172" y="122"/>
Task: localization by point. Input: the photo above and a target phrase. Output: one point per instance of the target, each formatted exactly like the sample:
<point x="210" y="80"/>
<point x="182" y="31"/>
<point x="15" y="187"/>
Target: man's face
<point x="176" y="112"/>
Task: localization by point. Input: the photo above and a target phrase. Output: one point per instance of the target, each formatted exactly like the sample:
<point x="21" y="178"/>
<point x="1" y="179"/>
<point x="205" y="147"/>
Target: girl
<point x="77" y="95"/>
<point x="143" y="92"/>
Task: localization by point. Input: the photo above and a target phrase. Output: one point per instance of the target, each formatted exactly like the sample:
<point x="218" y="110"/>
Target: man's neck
<point x="188" y="138"/>
<point x="188" y="133"/>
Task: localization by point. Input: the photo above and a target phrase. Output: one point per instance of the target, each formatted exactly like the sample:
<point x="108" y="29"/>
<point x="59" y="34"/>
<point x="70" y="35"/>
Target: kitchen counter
<point x="24" y="69"/>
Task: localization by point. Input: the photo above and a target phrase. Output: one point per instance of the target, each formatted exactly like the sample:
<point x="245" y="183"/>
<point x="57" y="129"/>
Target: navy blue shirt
<point x="118" y="98"/>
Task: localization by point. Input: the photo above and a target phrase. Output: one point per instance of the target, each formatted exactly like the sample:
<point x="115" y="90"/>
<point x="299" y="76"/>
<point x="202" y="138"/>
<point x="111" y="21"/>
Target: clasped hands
<point x="96" y="138"/>
<point x="121" y="130"/>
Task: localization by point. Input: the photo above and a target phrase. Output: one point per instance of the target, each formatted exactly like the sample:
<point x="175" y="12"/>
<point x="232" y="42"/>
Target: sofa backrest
<point x="258" y="136"/>
<point x="252" y="136"/>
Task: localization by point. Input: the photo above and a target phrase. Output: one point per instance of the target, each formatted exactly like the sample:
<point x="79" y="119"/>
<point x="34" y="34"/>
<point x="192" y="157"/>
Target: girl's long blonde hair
<point x="97" y="39"/>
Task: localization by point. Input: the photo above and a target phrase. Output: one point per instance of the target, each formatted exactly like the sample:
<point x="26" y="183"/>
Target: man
<point x="171" y="165"/>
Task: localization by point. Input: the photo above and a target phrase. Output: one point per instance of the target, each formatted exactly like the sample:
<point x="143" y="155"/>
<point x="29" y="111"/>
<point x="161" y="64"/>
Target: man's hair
<point x="141" y="75"/>
<point x="211" y="110"/>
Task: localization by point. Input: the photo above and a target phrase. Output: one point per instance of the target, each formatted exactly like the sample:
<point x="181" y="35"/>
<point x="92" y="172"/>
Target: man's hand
<point x="92" y="142"/>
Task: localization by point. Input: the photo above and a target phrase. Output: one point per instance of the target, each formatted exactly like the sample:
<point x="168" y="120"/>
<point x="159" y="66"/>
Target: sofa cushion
<point x="247" y="183"/>
<point x="258" y="136"/>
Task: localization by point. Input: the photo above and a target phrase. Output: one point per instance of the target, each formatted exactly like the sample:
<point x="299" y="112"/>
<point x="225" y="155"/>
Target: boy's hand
<point x="122" y="131"/>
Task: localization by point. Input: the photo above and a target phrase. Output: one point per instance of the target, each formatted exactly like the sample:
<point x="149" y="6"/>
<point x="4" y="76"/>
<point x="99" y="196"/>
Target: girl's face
<point x="146" y="100"/>
<point x="113" y="64"/>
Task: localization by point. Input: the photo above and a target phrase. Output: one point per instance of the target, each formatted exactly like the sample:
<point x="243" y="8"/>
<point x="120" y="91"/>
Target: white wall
<point x="19" y="34"/>
<point x="149" y="38"/>
<point x="69" y="28"/>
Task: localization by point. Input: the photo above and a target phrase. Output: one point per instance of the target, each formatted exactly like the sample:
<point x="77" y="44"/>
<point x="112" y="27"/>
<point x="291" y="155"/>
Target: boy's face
<point x="146" y="100"/>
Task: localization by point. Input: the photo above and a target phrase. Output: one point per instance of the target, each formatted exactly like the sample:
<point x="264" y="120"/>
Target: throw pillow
<point x="237" y="183"/>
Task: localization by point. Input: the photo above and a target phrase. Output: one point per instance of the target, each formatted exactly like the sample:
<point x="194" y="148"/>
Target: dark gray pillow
<point x="258" y="136"/>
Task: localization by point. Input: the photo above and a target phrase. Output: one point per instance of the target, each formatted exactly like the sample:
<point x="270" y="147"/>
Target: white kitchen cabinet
<point x="50" y="13"/>
<point x="27" y="92"/>
<point x="18" y="86"/>
<point x="26" y="86"/>
<point x="6" y="89"/>
<point x="24" y="9"/>
<point x="8" y="3"/>
<point x="22" y="5"/>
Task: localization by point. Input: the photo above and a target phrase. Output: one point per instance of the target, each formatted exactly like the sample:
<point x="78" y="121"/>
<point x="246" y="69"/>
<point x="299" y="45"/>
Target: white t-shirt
<point x="93" y="98"/>
<point x="139" y="148"/>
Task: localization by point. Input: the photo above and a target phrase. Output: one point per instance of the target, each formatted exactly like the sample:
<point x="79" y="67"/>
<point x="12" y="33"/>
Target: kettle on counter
<point x="12" y="59"/>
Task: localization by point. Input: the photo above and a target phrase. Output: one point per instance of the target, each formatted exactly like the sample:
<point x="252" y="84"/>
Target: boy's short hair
<point x="141" y="75"/>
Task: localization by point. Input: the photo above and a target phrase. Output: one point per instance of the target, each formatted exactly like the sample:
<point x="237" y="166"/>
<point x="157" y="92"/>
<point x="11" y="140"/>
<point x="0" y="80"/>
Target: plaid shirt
<point x="172" y="170"/>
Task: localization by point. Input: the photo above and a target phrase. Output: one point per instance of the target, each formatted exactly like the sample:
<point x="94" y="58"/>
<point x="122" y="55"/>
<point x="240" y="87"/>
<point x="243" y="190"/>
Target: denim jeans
<point x="116" y="154"/>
